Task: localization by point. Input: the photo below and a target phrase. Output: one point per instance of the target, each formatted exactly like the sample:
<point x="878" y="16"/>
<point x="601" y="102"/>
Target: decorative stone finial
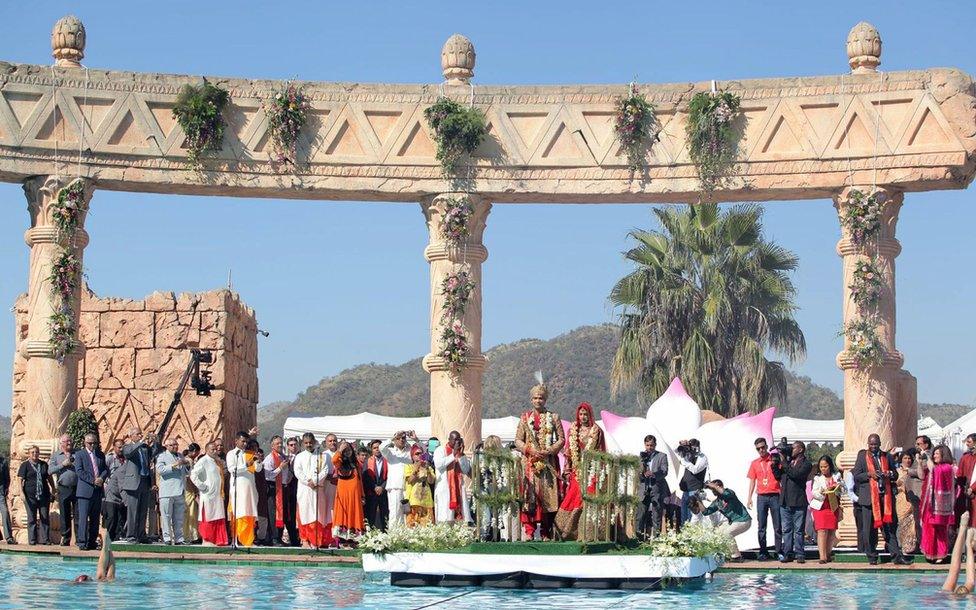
<point x="864" y="48"/>
<point x="457" y="60"/>
<point x="68" y="42"/>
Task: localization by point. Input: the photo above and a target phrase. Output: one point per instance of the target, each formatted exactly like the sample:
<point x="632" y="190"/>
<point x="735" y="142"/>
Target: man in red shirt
<point x="764" y="485"/>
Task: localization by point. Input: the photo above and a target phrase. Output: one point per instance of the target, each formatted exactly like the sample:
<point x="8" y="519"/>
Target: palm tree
<point x="708" y="299"/>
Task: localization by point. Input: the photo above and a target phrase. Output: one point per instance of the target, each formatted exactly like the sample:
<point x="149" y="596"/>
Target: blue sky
<point x="338" y="284"/>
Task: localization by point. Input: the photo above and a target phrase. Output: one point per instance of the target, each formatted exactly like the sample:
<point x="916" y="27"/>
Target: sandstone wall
<point x="136" y="352"/>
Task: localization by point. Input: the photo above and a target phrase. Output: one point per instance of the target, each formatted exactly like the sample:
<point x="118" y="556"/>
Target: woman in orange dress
<point x="347" y="517"/>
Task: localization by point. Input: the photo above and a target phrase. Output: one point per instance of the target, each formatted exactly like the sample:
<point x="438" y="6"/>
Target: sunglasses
<point x="761" y="448"/>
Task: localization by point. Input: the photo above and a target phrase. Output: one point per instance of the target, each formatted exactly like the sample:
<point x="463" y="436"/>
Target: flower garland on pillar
<point x="457" y="287"/>
<point x="66" y="271"/>
<point x="713" y="142"/>
<point x="287" y="113"/>
<point x="861" y="217"/>
<point x="634" y="123"/>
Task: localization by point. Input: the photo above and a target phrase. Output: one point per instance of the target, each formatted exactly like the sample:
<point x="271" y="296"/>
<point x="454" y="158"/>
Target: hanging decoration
<point x="199" y="112"/>
<point x="454" y="346"/>
<point x="454" y="223"/>
<point x="863" y="344"/>
<point x="861" y="217"/>
<point x="634" y="124"/>
<point x="609" y="484"/>
<point x="66" y="271"/>
<point x="458" y="131"/>
<point x="456" y="290"/>
<point x="287" y="113"/>
<point x="713" y="141"/>
<point x="865" y="286"/>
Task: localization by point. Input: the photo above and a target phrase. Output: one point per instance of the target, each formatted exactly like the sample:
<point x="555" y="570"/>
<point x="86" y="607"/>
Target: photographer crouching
<point x="694" y="465"/>
<point x="727" y="503"/>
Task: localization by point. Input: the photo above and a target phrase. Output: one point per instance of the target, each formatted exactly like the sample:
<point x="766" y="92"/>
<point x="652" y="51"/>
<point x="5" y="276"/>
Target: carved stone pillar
<point x="52" y="381"/>
<point x="455" y="393"/>
<point x="877" y="399"/>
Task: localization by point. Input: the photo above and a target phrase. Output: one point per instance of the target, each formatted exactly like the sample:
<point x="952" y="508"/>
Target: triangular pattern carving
<point x="822" y="119"/>
<point x="524" y="128"/>
<point x="417" y="144"/>
<point x="23" y="105"/>
<point x="127" y="133"/>
<point x="894" y="115"/>
<point x="562" y="144"/>
<point x="490" y="148"/>
<point x="93" y="111"/>
<point x="857" y="134"/>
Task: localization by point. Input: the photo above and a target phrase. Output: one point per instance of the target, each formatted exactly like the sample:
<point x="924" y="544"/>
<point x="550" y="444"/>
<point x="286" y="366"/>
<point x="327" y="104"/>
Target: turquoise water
<point x="32" y="582"/>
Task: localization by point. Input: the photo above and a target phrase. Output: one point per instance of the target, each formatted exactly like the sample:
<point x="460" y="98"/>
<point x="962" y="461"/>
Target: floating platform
<point x="542" y="571"/>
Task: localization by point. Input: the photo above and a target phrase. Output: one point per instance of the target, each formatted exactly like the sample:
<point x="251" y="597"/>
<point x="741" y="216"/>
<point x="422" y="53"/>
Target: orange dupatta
<point x="876" y="507"/>
<point x="276" y="459"/>
<point x="454" y="485"/>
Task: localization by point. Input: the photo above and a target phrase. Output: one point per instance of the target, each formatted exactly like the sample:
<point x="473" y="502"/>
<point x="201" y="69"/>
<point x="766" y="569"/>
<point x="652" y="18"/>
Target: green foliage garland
<point x="287" y="113"/>
<point x="458" y="131"/>
<point x="712" y="139"/>
<point x="80" y="423"/>
<point x="634" y="125"/>
<point x="199" y="111"/>
<point x="495" y="480"/>
<point x="613" y="499"/>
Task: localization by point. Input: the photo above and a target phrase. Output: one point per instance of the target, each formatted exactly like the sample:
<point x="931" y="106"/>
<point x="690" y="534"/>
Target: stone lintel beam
<point x="802" y="138"/>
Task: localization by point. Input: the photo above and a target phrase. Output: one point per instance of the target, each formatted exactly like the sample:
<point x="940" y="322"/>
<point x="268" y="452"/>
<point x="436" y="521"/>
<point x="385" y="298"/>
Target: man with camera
<point x="874" y="474"/>
<point x="694" y="466"/>
<point x="136" y="482"/>
<point x="764" y="485"/>
<point x="653" y="477"/>
<point x="397" y="454"/>
<point x="792" y="470"/>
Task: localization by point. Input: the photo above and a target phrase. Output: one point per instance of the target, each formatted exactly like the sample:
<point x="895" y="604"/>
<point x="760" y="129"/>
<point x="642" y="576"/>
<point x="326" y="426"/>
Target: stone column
<point x="455" y="396"/>
<point x="52" y="383"/>
<point x="879" y="399"/>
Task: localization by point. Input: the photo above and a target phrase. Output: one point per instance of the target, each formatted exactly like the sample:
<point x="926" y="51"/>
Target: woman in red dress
<point x="584" y="435"/>
<point x="828" y="486"/>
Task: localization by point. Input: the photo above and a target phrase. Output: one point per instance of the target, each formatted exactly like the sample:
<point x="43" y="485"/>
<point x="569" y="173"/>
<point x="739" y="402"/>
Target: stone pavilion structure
<point x="801" y="138"/>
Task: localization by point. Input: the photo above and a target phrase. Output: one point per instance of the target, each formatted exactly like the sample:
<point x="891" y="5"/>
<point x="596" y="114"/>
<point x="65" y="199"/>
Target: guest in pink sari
<point x="938" y="501"/>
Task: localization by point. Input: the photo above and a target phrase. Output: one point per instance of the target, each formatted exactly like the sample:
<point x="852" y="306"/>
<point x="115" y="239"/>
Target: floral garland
<point x="287" y="113"/>
<point x="456" y="289"/>
<point x="862" y="216"/>
<point x="864" y="346"/>
<point x="865" y="286"/>
<point x="199" y="111"/>
<point x="454" y="346"/>
<point x="692" y="540"/>
<point x="712" y="139"/>
<point x="575" y="452"/>
<point x="458" y="131"/>
<point x="66" y="270"/>
<point x="634" y="125"/>
<point x="454" y="224"/>
<point x="496" y="480"/>
<point x="445" y="536"/>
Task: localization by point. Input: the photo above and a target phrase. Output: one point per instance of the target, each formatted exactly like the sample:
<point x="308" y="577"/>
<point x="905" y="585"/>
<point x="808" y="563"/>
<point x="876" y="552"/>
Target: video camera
<point x="782" y="452"/>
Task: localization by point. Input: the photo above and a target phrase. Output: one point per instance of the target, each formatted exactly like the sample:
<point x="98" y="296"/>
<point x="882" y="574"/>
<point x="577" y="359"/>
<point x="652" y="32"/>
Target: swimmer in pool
<point x="965" y="539"/>
<point x="106" y="563"/>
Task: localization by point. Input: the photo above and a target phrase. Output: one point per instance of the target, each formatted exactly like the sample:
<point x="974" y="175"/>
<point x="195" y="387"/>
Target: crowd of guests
<point x="325" y="495"/>
<point x="913" y="497"/>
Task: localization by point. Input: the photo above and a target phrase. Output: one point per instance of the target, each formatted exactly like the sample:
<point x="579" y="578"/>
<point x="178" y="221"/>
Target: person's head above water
<point x="82" y="578"/>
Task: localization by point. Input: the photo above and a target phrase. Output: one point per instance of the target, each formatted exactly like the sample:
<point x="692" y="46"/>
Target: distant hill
<point x="577" y="368"/>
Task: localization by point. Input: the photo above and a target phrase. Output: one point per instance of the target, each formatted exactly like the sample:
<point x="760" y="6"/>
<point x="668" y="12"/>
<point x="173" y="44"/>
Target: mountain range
<point x="576" y="366"/>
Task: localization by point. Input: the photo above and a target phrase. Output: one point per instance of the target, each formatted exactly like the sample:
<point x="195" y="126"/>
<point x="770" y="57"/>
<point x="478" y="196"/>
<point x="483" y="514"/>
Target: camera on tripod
<point x="200" y="381"/>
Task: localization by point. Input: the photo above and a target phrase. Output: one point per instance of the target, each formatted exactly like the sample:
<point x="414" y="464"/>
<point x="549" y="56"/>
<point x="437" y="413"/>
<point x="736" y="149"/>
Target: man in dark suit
<point x="653" y="478"/>
<point x="875" y="473"/>
<point x="92" y="472"/>
<point x="374" y="487"/>
<point x="4" y="490"/>
<point x="136" y="482"/>
<point x="792" y="473"/>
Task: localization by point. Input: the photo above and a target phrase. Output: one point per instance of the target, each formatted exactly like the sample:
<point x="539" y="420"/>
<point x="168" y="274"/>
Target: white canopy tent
<point x="367" y="426"/>
<point x="808" y="430"/>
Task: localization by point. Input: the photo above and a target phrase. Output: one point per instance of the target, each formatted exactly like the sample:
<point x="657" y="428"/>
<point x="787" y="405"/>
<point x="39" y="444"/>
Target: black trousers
<point x="89" y="510"/>
<point x="289" y="503"/>
<point x="867" y="539"/>
<point x="377" y="510"/>
<point x="38" y="525"/>
<point x="114" y="519"/>
<point x="68" y="505"/>
<point x="271" y="533"/>
<point x="651" y="518"/>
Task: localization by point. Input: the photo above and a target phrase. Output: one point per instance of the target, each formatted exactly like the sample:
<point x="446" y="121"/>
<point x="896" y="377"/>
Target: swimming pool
<point x="34" y="582"/>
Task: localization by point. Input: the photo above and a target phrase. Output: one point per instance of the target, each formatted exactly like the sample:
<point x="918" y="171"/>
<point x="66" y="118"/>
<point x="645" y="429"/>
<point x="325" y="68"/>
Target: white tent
<point x="367" y="426"/>
<point x="808" y="430"/>
<point x="954" y="434"/>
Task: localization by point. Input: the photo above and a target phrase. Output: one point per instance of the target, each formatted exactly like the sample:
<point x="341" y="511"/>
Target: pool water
<point x="35" y="582"/>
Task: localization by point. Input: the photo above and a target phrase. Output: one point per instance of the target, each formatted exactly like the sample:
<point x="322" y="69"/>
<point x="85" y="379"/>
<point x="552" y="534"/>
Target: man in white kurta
<point x="243" y="504"/>
<point x="397" y="457"/>
<point x="450" y="465"/>
<point x="207" y="477"/>
<point x="312" y="470"/>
